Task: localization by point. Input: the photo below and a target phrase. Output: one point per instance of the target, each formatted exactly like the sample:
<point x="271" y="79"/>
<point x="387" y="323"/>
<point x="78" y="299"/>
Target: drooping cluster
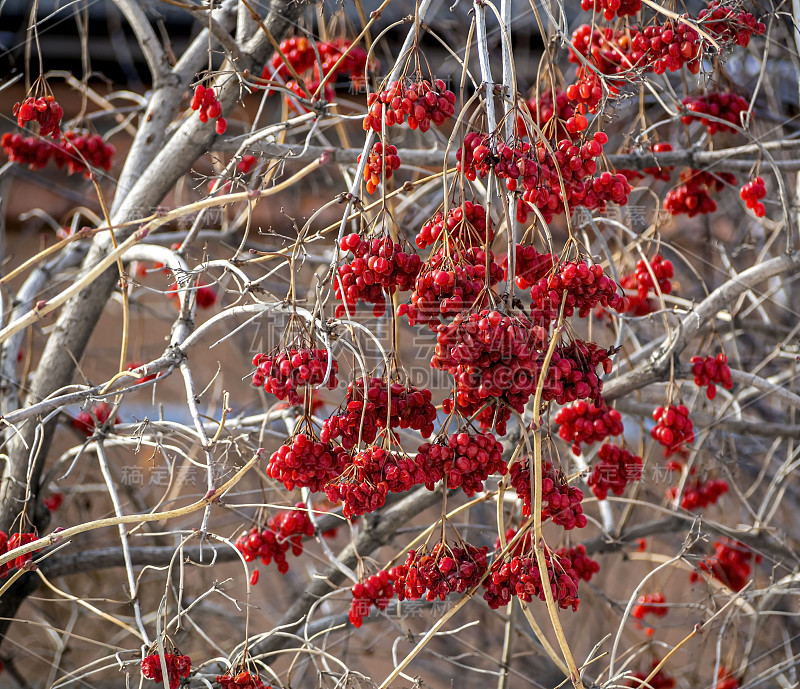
<point x="36" y="153"/>
<point x="241" y="680"/>
<point x="726" y="106"/>
<point x="587" y="423"/>
<point x="373" y="474"/>
<point x="16" y="540"/>
<point x="380" y="158"/>
<point x="674" y="429"/>
<point x="615" y="470"/>
<point x="178" y="666"/>
<point x="283" y="373"/>
<point x="205" y="101"/>
<point x="443" y="571"/>
<point x="561" y="502"/>
<point x="473" y="458"/>
<point x="396" y="405"/>
<point x="581" y="287"/>
<point x="449" y="283"/>
<point x="699" y="494"/>
<point x="729" y="24"/>
<point x="465" y="227"/>
<point x="612" y="8"/>
<point x="711" y="371"/>
<point x="377" y="590"/>
<point x="520" y="576"/>
<point x="44" y="110"/>
<point x="583" y="565"/>
<point x="420" y="103"/>
<point x="649" y="604"/>
<point x="284" y="530"/>
<point x="731" y="564"/>
<point x="693" y="196"/>
<point x="530" y="266"/>
<point x="569" y="122"/>
<point x="751" y="193"/>
<point x="85" y="421"/>
<point x="379" y="267"/>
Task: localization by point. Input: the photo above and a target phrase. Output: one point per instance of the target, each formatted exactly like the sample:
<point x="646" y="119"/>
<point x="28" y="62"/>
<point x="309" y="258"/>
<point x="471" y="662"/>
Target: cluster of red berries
<point x="473" y="457"/>
<point x="45" y="110"/>
<point x="583" y="565"/>
<point x="205" y="100"/>
<point x="612" y="8"/>
<point x="85" y="421"/>
<point x="649" y="604"/>
<point x="283" y="531"/>
<point x="443" y="571"/>
<point x="450" y="282"/>
<point x="520" y="576"/>
<point x="661" y="680"/>
<point x="398" y="405"/>
<point x="692" y="196"/>
<point x="298" y="52"/>
<point x="530" y="266"/>
<point x="569" y="122"/>
<point x="377" y="590"/>
<point x="731" y="563"/>
<point x="752" y="192"/>
<point x="673" y="428"/>
<point x="560" y="502"/>
<point x="379" y="267"/>
<point x="573" y="372"/>
<point x="419" y="102"/>
<point x="373" y="474"/>
<point x="15" y="541"/>
<point x="177" y="666"/>
<point x="580" y="287"/>
<point x="495" y="360"/>
<point x="726" y="106"/>
<point x="729" y="25"/>
<point x="700" y="494"/>
<point x="640" y="304"/>
<point x="305" y="462"/>
<point x="615" y="470"/>
<point x="36" y="153"/>
<point x="381" y="157"/>
<point x="587" y="423"/>
<point x="284" y="372"/>
<point x="465" y="227"/>
<point x="242" y="680"/>
<point x="710" y="371"/>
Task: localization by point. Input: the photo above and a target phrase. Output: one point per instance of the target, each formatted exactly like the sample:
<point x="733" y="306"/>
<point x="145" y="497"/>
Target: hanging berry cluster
<point x="379" y="267"/>
<point x="178" y="666"/>
<point x="283" y="531"/>
<point x="44" y="110"/>
<point x="242" y="680"/>
<point x="699" y="494"/>
<point x="674" y="429"/>
<point x="71" y="151"/>
<point x="727" y="106"/>
<point x="649" y="604"/>
<point x="560" y="502"/>
<point x="615" y="470"/>
<point x="380" y="158"/>
<point x="205" y="101"/>
<point x="305" y="462"/>
<point x="443" y="571"/>
<point x="376" y="590"/>
<point x="731" y="564"/>
<point x="420" y="103"/>
<point x="583" y="565"/>
<point x="587" y="423"/>
<point x="284" y="372"/>
<point x="86" y="422"/>
<point x="693" y="196"/>
<point x="16" y="540"/>
<point x="751" y="193"/>
<point x="711" y="371"/>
